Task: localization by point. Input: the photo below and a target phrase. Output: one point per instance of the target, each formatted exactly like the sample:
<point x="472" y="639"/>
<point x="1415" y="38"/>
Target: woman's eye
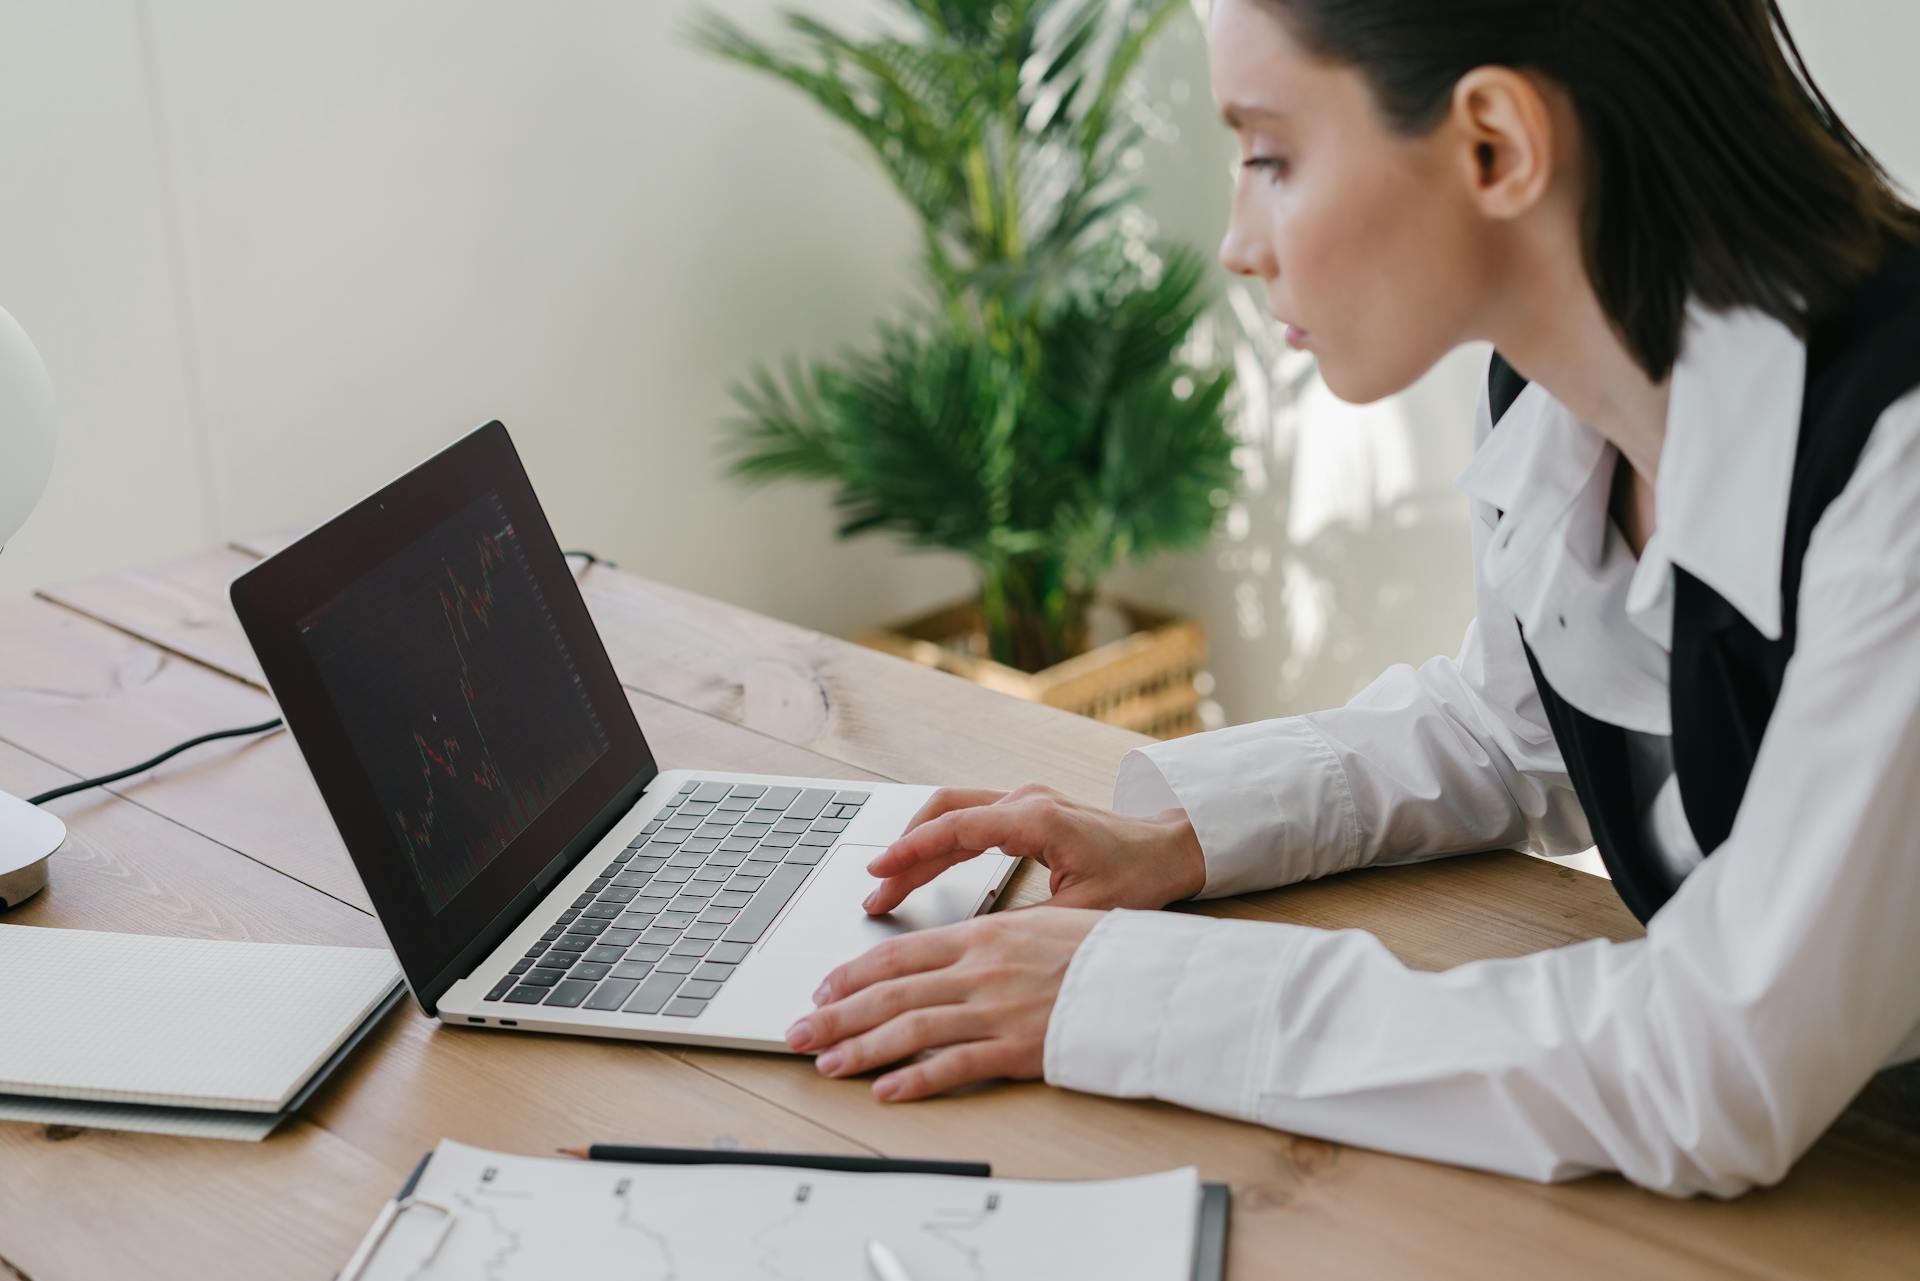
<point x="1276" y="166"/>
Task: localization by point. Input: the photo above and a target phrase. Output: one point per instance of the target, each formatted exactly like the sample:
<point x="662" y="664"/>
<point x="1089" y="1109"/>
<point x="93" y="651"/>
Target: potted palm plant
<point x="1034" y="411"/>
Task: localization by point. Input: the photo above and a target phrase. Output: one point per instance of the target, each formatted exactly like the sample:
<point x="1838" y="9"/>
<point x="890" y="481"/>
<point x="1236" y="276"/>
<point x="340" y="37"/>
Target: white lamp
<point x="28" y="834"/>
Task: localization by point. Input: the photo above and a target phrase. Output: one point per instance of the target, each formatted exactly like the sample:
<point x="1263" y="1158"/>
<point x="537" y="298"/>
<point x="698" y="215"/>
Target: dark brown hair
<point x="1716" y="167"/>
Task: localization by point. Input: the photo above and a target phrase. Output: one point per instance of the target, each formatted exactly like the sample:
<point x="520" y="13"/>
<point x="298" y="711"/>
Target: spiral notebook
<point x="178" y="1022"/>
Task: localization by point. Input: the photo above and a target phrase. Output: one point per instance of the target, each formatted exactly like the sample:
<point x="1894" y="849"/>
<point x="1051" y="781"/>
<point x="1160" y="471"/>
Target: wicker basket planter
<point x="1142" y="681"/>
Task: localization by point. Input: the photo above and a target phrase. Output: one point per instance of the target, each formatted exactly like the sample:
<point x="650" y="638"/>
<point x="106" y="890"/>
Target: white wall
<point x="275" y="251"/>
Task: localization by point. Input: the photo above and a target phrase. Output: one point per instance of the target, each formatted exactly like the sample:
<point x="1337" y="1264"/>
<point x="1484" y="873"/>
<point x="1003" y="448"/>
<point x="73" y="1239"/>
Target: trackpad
<point x="828" y="924"/>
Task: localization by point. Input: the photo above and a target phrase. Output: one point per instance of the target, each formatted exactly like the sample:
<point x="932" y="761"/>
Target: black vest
<point x="1726" y="676"/>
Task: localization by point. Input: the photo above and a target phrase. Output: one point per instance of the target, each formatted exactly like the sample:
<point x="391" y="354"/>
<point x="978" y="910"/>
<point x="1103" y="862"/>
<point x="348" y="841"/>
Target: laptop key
<point x="622" y="937"/>
<point x="544" y="944"/>
<point x="602" y="911"/>
<point x="681" y="964"/>
<point x="850" y="798"/>
<point x="669" y="837"/>
<point x="698" y="845"/>
<point x="732" y="898"/>
<point x="605" y="952"/>
<point x="829" y="825"/>
<point x="590" y="925"/>
<point x="633" y="878"/>
<point x="712" y="972"/>
<point x="675" y="920"/>
<point x="758" y="866"/>
<point x="661" y="934"/>
<point x="777" y="798"/>
<point x="571" y="943"/>
<point x="705" y="887"/>
<point x="806" y="855"/>
<point x="646" y="951"/>
<point x="556" y="961"/>
<point x="742" y="844"/>
<point x="767" y="902"/>
<point x="793" y="825"/>
<point x="521" y="966"/>
<point x="706" y="929"/>
<point x="541" y="978"/>
<point x="810" y="803"/>
<point x="583" y="900"/>
<point x="633" y="969"/>
<point x="690" y="948"/>
<point x="748" y="791"/>
<point x="566" y="917"/>
<point x="501" y="988"/>
<point x="610" y="993"/>
<point x="688" y="859"/>
<point x="698" y="988"/>
<point x="777" y="840"/>
<point x="718" y="916"/>
<point x="526" y="994"/>
<point x="568" y="993"/>
<point x="729" y="953"/>
<point x="710" y="792"/>
<point x="650" y="862"/>
<point x="726" y="858"/>
<point x="712" y="872"/>
<point x="634" y="920"/>
<point x="652" y="993"/>
<point x="595" y="970"/>
<point x="671" y="875"/>
<point x="681" y="1007"/>
<point x="818" y="838"/>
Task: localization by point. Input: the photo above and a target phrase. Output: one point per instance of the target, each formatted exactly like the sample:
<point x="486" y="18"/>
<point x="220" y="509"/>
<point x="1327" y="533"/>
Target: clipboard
<point x="1209" y="1246"/>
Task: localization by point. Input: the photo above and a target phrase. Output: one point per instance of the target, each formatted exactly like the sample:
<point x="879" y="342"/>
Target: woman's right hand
<point x="1096" y="857"/>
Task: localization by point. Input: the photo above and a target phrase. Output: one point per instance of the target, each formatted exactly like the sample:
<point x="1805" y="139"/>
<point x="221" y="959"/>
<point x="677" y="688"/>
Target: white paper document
<point x="511" y="1218"/>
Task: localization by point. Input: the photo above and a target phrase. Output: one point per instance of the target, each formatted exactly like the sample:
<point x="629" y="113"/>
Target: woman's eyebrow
<point x="1237" y="114"/>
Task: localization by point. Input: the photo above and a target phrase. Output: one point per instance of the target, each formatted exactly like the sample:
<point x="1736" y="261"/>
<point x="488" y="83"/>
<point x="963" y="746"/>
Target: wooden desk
<point x="231" y="841"/>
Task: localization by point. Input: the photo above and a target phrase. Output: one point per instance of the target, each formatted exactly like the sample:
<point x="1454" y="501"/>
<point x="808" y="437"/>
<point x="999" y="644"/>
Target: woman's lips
<point x="1298" y="338"/>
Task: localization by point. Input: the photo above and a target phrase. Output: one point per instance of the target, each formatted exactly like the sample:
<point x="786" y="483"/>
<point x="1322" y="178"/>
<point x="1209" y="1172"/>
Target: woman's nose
<point x="1240" y="255"/>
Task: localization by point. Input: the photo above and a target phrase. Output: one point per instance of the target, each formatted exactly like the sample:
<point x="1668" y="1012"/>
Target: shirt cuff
<point x="1268" y="800"/>
<point x="1142" y="1014"/>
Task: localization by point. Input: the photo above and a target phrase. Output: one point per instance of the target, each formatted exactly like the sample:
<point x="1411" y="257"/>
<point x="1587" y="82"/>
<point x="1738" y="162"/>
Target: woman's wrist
<point x="1189" y="859"/>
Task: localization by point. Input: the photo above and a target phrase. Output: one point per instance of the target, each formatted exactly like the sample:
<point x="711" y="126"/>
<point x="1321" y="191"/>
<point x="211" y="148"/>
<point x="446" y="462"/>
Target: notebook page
<point x="135" y="1018"/>
<point x="517" y="1218"/>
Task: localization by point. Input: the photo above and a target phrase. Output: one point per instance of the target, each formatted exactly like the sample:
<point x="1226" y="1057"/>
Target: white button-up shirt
<point x="1785" y="970"/>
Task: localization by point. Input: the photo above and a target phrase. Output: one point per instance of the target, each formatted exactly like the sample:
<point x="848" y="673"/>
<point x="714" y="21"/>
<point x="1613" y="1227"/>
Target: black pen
<point x="802" y="1160"/>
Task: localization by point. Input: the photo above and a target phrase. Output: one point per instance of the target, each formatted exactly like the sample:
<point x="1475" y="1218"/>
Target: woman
<point x="1697" y="545"/>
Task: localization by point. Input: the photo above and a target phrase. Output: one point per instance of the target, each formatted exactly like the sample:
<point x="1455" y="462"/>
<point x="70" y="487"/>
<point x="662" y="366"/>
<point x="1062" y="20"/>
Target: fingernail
<point x="867" y="902"/>
<point x="885" y="1088"/>
<point x="821" y="993"/>
<point x="799" y="1034"/>
<point x="830" y="1061"/>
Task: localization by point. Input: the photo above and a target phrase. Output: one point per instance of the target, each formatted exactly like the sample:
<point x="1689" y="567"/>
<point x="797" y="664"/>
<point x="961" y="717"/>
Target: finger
<point x="948" y="799"/>
<point x="1018" y="827"/>
<point x="873" y="1005"/>
<point x="948" y="1069"/>
<point x="901" y="955"/>
<point x="891" y="892"/>
<point x="903" y="1037"/>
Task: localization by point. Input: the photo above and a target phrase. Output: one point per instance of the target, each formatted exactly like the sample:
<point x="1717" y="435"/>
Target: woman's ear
<point x="1505" y="132"/>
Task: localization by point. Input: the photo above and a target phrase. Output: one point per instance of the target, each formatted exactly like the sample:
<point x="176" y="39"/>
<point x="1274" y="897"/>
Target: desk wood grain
<point x="231" y="842"/>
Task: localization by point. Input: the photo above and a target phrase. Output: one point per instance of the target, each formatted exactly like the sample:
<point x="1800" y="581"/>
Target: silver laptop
<point x="531" y="863"/>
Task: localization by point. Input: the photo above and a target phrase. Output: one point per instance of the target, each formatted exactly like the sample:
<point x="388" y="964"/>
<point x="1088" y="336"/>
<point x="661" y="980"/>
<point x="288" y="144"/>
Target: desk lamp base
<point x="28" y="837"/>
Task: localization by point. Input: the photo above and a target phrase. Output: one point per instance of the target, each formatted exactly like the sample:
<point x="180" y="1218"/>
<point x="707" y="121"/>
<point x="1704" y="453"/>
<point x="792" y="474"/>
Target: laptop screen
<point x="436" y="664"/>
<point x="458" y="694"/>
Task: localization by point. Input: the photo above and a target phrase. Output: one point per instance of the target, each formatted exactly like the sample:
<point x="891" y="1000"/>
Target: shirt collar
<point x="1726" y="467"/>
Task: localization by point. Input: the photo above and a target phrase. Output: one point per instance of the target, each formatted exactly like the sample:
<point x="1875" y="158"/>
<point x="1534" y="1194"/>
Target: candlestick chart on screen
<point x="458" y="694"/>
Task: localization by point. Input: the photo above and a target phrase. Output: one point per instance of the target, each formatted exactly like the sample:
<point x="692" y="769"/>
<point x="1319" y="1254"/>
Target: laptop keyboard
<point x="663" y="927"/>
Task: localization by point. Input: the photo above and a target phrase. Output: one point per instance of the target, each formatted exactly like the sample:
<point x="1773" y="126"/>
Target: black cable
<point x="81" y="786"/>
<point x="171" y="752"/>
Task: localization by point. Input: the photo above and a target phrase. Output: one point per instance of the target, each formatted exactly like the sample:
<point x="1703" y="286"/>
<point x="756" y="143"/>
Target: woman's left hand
<point x="978" y="993"/>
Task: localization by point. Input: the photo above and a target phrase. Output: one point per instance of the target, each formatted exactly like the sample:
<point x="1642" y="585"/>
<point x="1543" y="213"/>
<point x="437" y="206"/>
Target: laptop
<point x="532" y="865"/>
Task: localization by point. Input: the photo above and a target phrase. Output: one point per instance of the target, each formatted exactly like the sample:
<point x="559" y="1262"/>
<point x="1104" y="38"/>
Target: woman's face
<point x="1365" y="239"/>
